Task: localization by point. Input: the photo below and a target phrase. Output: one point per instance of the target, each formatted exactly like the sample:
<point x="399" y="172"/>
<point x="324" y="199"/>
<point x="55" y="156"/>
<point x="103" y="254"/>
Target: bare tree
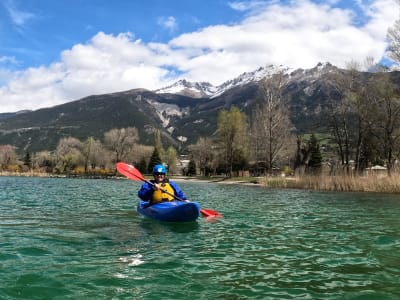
<point x="43" y="160"/>
<point x="94" y="153"/>
<point x="365" y="121"/>
<point x="393" y="36"/>
<point x="203" y="153"/>
<point x="8" y="156"/>
<point x="140" y="153"/>
<point x="271" y="126"/>
<point x="386" y="104"/>
<point x="68" y="154"/>
<point x="350" y="112"/>
<point x="121" y="141"/>
<point x="86" y="151"/>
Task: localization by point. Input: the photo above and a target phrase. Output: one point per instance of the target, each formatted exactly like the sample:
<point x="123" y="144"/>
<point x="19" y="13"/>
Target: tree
<point x="203" y="153"/>
<point x="8" y="156"/>
<point x="386" y="105"/>
<point x="69" y="154"/>
<point x="301" y="156"/>
<point x="139" y="154"/>
<point x="27" y="160"/>
<point x="315" y="162"/>
<point x="239" y="161"/>
<point x="191" y="168"/>
<point x="94" y="153"/>
<point x="142" y="166"/>
<point x="155" y="159"/>
<point x="232" y="131"/>
<point x="157" y="141"/>
<point x="44" y="160"/>
<point x="87" y="147"/>
<point x="345" y="102"/>
<point x="121" y="141"/>
<point x="170" y="158"/>
<point x="350" y="113"/>
<point x="271" y="125"/>
<point x="393" y="36"/>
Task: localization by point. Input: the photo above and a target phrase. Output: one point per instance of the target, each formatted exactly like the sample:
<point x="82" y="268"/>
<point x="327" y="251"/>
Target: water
<point x="82" y="239"/>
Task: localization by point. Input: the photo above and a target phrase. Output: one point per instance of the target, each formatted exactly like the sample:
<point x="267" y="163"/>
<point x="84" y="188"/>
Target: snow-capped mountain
<point x="247" y="77"/>
<point x="187" y="88"/>
<point x="207" y="90"/>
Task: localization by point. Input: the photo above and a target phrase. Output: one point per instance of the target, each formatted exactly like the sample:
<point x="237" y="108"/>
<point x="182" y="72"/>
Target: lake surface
<point x="83" y="239"/>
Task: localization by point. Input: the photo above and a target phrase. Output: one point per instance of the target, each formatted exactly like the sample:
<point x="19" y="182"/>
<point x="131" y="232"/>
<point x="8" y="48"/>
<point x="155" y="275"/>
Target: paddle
<point x="133" y="173"/>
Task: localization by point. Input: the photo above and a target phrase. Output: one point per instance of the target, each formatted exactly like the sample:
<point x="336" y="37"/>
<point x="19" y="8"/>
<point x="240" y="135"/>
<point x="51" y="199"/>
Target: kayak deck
<point x="173" y="211"/>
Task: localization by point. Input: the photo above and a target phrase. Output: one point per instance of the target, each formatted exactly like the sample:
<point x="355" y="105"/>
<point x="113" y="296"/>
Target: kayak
<point x="173" y="211"/>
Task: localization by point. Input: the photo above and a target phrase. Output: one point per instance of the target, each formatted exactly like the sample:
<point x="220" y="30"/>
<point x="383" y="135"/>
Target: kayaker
<point x="161" y="189"/>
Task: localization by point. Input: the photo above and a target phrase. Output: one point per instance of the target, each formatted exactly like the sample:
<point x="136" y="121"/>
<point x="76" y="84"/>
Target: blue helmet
<point x="159" y="169"/>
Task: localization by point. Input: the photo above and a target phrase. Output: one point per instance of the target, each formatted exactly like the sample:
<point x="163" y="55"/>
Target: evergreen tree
<point x="315" y="162"/>
<point x="191" y="168"/>
<point x="27" y="160"/>
<point x="142" y="166"/>
<point x="154" y="160"/>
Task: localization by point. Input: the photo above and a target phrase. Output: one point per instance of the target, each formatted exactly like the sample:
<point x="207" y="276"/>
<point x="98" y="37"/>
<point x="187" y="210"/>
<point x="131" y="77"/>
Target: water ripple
<point x="82" y="239"/>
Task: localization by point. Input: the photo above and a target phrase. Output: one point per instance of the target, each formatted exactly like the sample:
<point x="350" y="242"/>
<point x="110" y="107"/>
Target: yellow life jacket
<point x="160" y="196"/>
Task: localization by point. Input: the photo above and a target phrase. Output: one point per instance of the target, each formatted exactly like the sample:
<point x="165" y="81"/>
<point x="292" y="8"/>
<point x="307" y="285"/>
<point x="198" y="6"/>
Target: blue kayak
<point x="174" y="211"/>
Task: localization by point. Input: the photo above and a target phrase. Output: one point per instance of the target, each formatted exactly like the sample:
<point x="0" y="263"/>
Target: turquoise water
<point x="82" y="239"/>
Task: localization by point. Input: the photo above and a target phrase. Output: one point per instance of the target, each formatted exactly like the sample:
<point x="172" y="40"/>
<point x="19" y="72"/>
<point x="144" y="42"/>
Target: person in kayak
<point x="161" y="189"/>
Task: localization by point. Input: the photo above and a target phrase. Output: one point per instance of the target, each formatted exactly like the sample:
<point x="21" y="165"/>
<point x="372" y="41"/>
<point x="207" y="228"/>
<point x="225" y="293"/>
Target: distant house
<point x="376" y="170"/>
<point x="182" y="165"/>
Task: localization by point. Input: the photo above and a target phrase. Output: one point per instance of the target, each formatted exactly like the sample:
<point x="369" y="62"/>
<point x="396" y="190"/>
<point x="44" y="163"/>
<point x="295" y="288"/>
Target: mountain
<point x="190" y="89"/>
<point x="94" y="115"/>
<point x="207" y="90"/>
<point x="183" y="111"/>
<point x="8" y="115"/>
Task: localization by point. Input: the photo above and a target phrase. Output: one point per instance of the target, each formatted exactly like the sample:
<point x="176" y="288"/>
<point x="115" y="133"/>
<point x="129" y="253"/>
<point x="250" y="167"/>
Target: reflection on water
<point x="151" y="226"/>
<point x="70" y="238"/>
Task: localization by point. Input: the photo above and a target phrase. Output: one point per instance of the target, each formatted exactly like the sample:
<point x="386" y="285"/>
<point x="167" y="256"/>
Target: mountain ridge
<point x="186" y="114"/>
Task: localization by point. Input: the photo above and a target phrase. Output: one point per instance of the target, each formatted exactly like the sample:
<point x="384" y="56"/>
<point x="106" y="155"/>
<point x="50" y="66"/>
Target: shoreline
<point x="370" y="184"/>
<point x="218" y="180"/>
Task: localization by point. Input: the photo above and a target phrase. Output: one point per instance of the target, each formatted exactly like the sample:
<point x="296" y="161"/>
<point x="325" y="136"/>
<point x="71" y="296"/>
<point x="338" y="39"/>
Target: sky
<point x="53" y="52"/>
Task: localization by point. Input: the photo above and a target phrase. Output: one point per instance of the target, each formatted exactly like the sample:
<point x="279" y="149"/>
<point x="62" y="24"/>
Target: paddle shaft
<point x="162" y="190"/>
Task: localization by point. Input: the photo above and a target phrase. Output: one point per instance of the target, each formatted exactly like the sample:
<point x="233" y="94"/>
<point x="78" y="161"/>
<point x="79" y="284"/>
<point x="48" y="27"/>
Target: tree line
<point x="89" y="157"/>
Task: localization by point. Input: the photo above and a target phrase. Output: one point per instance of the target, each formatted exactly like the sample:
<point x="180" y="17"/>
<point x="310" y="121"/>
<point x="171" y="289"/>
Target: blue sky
<point x="52" y="52"/>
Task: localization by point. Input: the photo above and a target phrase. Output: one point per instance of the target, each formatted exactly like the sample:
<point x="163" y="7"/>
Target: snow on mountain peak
<point x="207" y="90"/>
<point x="247" y="77"/>
<point x="187" y="88"/>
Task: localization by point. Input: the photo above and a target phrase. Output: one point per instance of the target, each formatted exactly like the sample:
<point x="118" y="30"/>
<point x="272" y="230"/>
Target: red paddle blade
<point x="210" y="213"/>
<point x="130" y="171"/>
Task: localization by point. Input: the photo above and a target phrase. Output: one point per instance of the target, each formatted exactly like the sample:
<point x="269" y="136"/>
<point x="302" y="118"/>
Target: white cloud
<point x="248" y="5"/>
<point x="8" y="60"/>
<point x="168" y="23"/>
<point x="18" y="17"/>
<point x="299" y="34"/>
